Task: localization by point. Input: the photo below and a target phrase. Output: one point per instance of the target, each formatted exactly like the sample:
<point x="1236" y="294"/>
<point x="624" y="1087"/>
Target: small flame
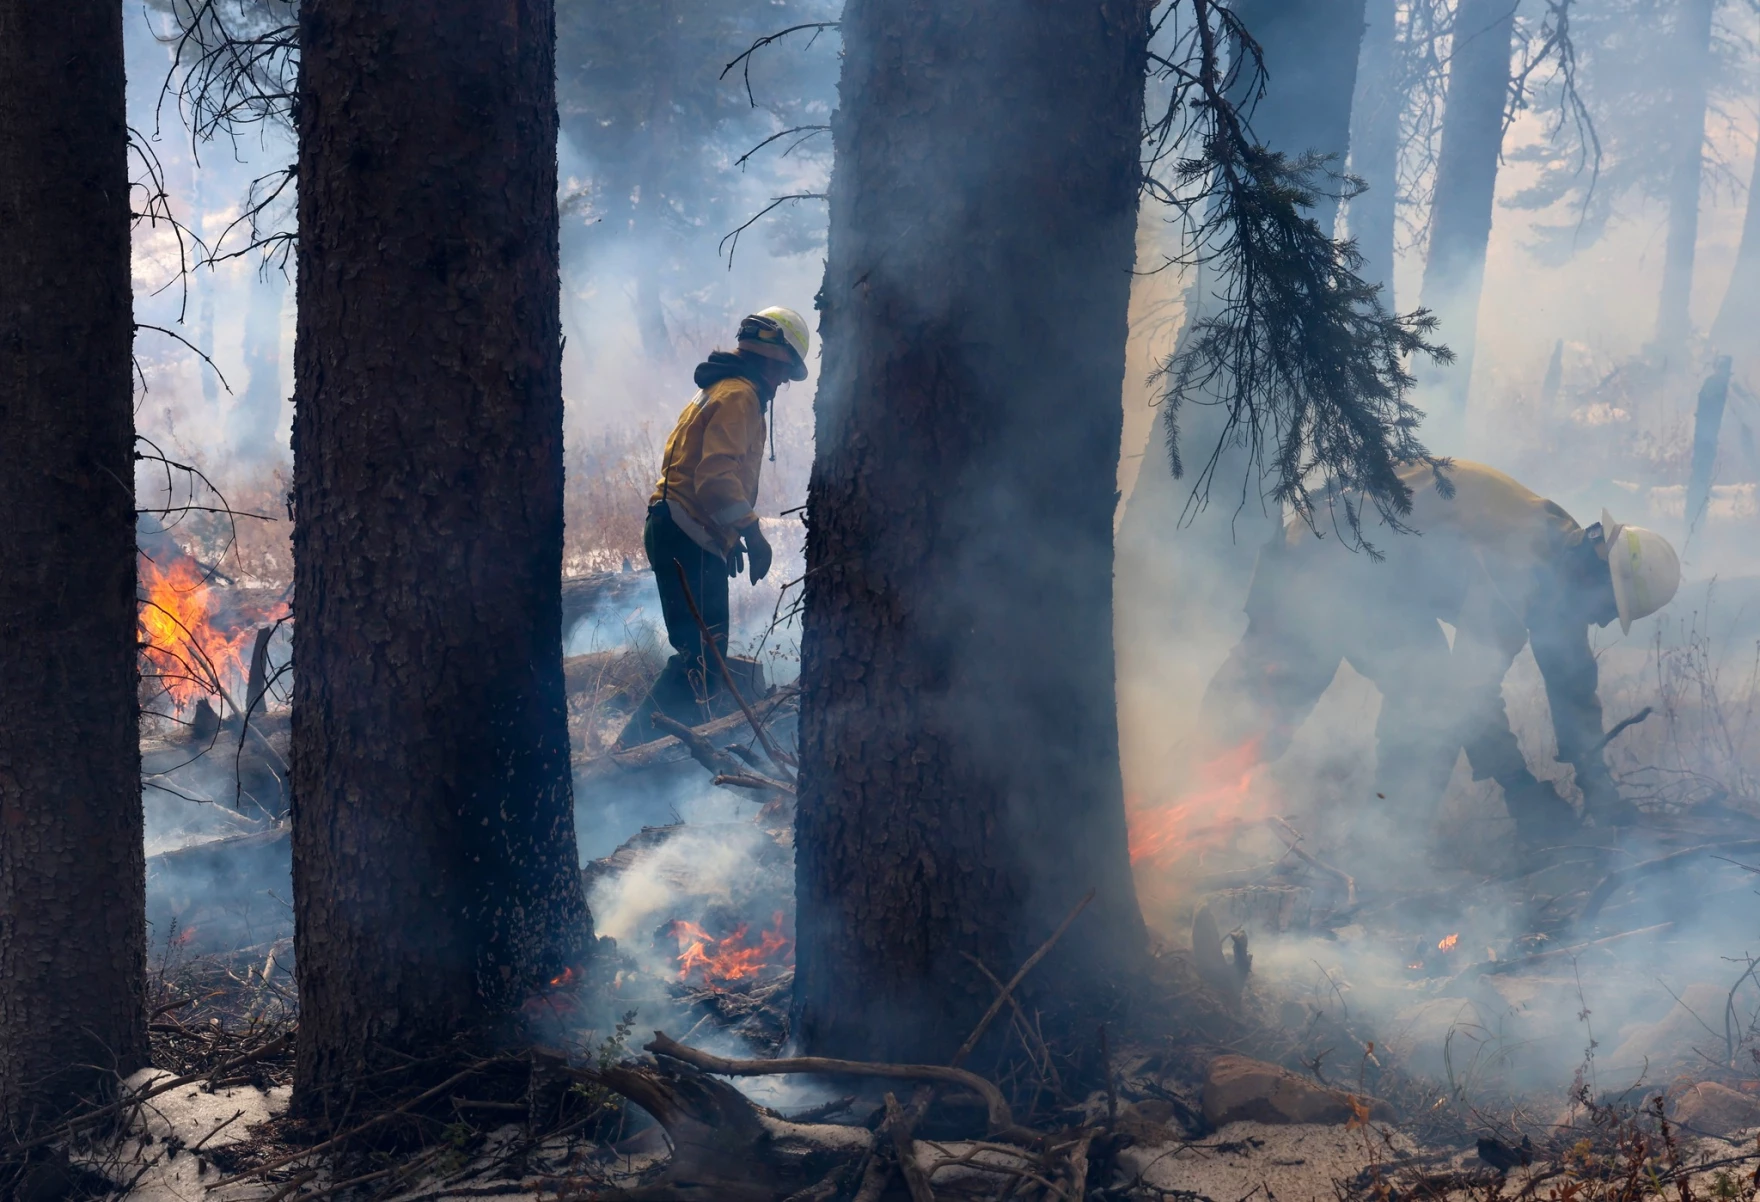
<point x="1223" y="800"/>
<point x="1447" y="945"/>
<point x="563" y="981"/>
<point x="733" y="957"/>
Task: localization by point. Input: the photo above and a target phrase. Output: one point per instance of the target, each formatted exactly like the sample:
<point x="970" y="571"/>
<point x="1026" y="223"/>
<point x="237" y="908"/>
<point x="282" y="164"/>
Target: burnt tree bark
<point x="72" y="876"/>
<point x="960" y="782"/>
<point x="1466" y="186"/>
<point x="435" y="878"/>
<point x="1685" y="155"/>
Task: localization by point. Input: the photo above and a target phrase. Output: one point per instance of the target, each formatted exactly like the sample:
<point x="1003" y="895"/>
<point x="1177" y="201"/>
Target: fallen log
<point x="1496" y="967"/>
<point x="668" y="750"/>
<point x="1614" y="880"/>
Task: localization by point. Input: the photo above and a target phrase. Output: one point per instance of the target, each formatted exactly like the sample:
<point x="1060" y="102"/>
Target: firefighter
<point x="1503" y="568"/>
<point x="701" y="516"/>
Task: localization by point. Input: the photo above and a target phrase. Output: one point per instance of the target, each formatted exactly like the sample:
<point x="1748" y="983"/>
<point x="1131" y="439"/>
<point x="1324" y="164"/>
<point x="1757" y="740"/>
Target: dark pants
<point x="668" y="549"/>
<point x="690" y="678"/>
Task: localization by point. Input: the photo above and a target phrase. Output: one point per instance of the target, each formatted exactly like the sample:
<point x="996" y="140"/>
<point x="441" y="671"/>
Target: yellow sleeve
<point x="727" y="443"/>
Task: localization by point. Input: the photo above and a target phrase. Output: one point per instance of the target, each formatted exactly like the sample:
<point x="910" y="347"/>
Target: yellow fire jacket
<point x="709" y="473"/>
<point x="1493" y="561"/>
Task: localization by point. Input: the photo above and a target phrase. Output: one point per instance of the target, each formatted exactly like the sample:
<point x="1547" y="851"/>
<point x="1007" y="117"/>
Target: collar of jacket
<point x="724" y="365"/>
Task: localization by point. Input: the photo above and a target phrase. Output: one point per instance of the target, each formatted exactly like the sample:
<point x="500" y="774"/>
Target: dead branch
<point x="647" y="755"/>
<point x="1007" y="992"/>
<point x="902" y="1127"/>
<point x="1493" y="967"/>
<point x="1293" y="840"/>
<point x="782" y="762"/>
<point x="1000" y="1117"/>
<point x="337" y="1140"/>
<point x="1613" y="881"/>
<point x="750" y="780"/>
<point x="702" y="751"/>
<point x="1620" y="728"/>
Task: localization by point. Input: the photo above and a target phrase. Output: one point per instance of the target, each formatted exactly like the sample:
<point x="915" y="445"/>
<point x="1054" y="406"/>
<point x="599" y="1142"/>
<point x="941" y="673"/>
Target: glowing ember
<point x="181" y="649"/>
<point x="1447" y="945"/>
<point x="1223" y="800"/>
<point x="734" y="957"/>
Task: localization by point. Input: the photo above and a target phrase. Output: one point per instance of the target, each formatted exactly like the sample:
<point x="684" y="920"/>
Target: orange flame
<point x="563" y="981"/>
<point x="1447" y="945"/>
<point x="181" y="648"/>
<point x="1223" y="799"/>
<point x="731" y="958"/>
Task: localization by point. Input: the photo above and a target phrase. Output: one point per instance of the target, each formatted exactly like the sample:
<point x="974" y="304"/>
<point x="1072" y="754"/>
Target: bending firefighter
<point x="701" y="517"/>
<point x="1504" y="568"/>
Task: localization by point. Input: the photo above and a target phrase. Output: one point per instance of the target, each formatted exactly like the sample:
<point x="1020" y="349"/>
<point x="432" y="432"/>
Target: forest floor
<point x="1323" y="1017"/>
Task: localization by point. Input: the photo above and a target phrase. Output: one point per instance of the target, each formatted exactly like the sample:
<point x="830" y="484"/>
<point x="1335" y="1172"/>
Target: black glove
<point x="758" y="547"/>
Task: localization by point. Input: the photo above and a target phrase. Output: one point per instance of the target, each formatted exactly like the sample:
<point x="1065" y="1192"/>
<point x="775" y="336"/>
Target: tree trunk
<point x="1739" y="314"/>
<point x="1466" y="186"/>
<point x="72" y="877"/>
<point x="1310" y="49"/>
<point x="1685" y="151"/>
<point x="435" y="868"/>
<point x="959" y="744"/>
<point x="1375" y="114"/>
<point x="258" y="411"/>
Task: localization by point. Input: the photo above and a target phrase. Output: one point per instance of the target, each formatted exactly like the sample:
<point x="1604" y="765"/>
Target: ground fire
<point x="733" y="957"/>
<point x="1222" y="799"/>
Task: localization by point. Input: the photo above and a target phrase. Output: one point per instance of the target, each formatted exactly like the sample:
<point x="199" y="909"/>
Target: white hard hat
<point x="1645" y="570"/>
<point x="778" y="333"/>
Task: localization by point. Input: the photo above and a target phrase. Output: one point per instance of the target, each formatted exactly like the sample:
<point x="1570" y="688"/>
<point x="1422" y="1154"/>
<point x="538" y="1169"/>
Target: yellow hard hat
<point x="1646" y="572"/>
<point x="778" y="333"/>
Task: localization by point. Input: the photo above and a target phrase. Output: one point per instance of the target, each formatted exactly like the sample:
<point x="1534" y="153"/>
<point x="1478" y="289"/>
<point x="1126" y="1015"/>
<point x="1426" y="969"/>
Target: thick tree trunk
<point x="259" y="409"/>
<point x="435" y="866"/>
<point x="1685" y="152"/>
<point x="72" y="880"/>
<point x="1375" y="114"/>
<point x="960" y="785"/>
<point x="1466" y="186"/>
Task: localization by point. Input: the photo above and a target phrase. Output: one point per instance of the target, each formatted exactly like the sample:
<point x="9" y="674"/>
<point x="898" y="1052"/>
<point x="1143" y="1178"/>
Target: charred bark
<point x="72" y="878"/>
<point x="960" y="782"/>
<point x="435" y="879"/>
<point x="1685" y="154"/>
<point x="1466" y="185"/>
